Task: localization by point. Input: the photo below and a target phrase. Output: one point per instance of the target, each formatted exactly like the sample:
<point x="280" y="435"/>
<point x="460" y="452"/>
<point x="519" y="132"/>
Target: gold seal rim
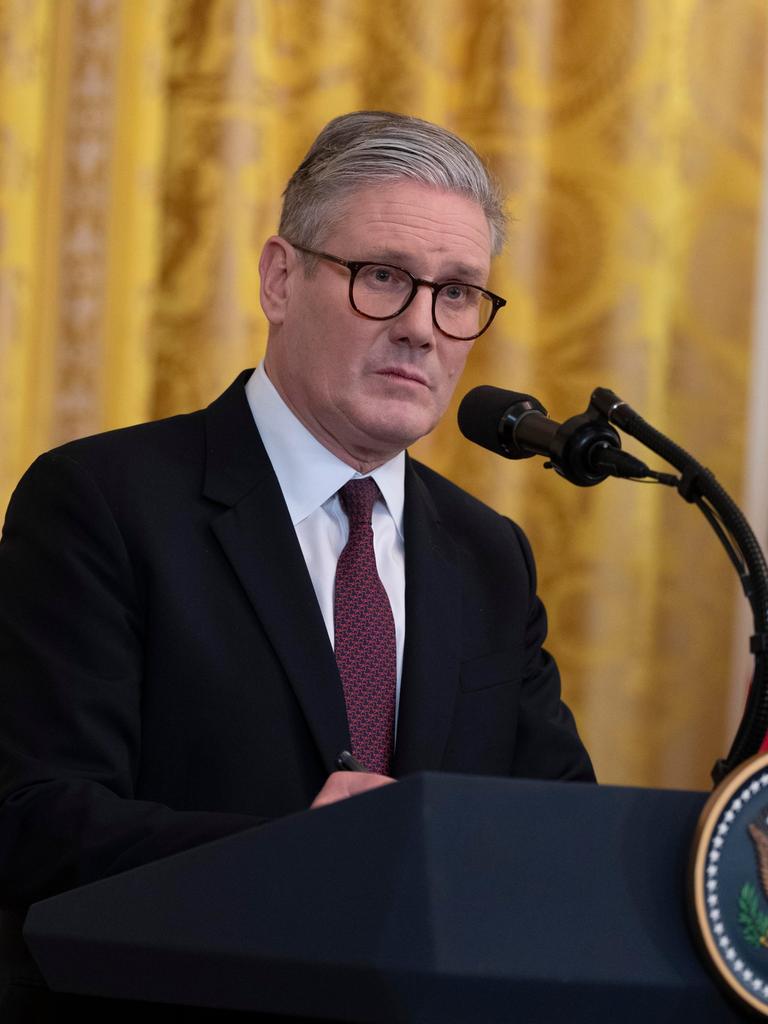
<point x="710" y="815"/>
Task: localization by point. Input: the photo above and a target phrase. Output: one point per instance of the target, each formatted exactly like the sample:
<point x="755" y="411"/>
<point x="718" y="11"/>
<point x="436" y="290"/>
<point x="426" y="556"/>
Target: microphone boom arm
<point x="698" y="486"/>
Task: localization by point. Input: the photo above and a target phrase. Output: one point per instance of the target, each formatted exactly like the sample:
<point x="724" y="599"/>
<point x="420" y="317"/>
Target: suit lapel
<point x="431" y="657"/>
<point x="258" y="538"/>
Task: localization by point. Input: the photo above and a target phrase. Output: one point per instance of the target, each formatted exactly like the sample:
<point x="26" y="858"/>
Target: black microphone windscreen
<point x="481" y="412"/>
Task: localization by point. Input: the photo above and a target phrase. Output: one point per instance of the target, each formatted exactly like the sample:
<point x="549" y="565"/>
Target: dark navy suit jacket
<point x="165" y="674"/>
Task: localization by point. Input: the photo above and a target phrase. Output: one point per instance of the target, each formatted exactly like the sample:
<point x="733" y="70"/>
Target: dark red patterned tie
<point x="365" y="634"/>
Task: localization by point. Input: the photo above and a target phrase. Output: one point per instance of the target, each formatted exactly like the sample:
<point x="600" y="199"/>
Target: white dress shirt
<point x="310" y="477"/>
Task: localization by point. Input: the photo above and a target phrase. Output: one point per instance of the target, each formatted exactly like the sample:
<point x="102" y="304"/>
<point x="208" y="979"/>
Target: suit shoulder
<point x="138" y="460"/>
<point x="160" y="446"/>
<point x="157" y="436"/>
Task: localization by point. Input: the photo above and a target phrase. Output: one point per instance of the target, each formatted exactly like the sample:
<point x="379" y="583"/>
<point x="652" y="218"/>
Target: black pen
<point x="345" y="762"/>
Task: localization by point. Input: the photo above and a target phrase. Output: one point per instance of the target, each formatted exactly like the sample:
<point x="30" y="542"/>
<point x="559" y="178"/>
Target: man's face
<point x="365" y="388"/>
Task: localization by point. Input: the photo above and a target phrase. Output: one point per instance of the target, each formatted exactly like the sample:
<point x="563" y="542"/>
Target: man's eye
<point x="455" y="292"/>
<point x="380" y="277"/>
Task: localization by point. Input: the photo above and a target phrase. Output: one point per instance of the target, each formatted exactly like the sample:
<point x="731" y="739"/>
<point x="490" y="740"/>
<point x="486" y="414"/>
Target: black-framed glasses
<point x="380" y="291"/>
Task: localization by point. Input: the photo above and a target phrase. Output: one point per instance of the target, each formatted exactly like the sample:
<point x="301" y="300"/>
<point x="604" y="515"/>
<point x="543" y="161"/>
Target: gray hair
<point x="370" y="147"/>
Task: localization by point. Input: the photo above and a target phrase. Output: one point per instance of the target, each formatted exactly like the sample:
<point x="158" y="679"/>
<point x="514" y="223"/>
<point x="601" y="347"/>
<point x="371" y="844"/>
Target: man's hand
<point x="340" y="785"/>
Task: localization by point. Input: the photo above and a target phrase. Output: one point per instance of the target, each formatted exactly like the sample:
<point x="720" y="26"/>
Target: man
<point x="170" y="594"/>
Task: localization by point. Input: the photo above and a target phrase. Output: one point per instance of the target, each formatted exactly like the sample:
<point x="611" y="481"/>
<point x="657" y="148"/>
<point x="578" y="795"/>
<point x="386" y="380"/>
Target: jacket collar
<point x="432" y="609"/>
<point x="257" y="536"/>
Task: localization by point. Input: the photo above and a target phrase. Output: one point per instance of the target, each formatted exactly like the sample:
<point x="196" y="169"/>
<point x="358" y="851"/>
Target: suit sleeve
<point x="71" y="625"/>
<point x="547" y="742"/>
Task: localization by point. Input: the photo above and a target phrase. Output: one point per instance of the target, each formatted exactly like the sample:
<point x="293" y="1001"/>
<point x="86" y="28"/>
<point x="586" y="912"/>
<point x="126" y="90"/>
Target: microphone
<point x="585" y="449"/>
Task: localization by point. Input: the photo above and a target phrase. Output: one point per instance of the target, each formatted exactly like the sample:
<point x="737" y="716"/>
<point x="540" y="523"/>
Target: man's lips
<point x="408" y="375"/>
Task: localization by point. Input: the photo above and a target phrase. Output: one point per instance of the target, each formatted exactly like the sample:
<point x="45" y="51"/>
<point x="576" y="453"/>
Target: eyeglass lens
<point x="460" y="309"/>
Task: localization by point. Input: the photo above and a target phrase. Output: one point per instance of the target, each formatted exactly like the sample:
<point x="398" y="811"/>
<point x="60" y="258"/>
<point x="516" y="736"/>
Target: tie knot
<point x="358" y="498"/>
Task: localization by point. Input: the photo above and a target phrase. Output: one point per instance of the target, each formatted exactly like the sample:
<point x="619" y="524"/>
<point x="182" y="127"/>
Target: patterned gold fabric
<point x="143" y="148"/>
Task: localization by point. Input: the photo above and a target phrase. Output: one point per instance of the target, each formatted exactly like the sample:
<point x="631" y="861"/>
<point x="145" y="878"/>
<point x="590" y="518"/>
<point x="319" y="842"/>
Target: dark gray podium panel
<point x="439" y="899"/>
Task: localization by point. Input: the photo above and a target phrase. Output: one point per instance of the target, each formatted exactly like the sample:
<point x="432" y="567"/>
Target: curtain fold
<point x="144" y="145"/>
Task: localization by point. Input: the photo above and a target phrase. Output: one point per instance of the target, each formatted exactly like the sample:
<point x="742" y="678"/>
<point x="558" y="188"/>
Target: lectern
<point x="437" y="900"/>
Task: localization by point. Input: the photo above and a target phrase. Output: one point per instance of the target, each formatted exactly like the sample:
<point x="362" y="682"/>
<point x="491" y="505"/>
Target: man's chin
<point x="400" y="428"/>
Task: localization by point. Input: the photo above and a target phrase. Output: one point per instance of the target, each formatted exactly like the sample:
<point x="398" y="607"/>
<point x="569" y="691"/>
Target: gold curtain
<point x="143" y="148"/>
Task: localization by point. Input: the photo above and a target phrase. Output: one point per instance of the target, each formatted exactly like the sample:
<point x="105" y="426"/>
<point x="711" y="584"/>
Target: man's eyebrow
<point x="459" y="271"/>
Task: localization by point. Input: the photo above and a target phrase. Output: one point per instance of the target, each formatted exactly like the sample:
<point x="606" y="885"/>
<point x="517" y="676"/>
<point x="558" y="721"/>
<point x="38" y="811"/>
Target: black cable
<point x="728" y="542"/>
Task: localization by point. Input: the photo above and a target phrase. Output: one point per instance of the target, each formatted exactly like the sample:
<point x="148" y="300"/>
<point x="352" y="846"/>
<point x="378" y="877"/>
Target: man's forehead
<point x="396" y="220"/>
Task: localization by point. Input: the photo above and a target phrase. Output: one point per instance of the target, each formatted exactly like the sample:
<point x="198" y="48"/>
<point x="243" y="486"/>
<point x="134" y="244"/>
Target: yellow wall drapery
<point x="143" y="148"/>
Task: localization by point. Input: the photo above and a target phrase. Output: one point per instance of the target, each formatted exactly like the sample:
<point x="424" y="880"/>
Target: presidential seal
<point x="728" y="883"/>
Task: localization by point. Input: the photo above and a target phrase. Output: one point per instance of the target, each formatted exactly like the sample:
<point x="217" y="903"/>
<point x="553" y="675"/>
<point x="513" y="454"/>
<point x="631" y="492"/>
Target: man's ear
<point x="278" y="260"/>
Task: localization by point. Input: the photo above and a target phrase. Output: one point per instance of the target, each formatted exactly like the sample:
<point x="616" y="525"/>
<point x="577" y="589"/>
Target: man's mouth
<point x="406" y="375"/>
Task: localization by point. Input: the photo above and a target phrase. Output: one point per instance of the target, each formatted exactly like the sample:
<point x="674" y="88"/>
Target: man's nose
<point x="415" y="324"/>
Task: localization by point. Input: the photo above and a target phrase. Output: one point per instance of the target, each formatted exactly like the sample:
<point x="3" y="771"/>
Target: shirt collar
<point x="307" y="472"/>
